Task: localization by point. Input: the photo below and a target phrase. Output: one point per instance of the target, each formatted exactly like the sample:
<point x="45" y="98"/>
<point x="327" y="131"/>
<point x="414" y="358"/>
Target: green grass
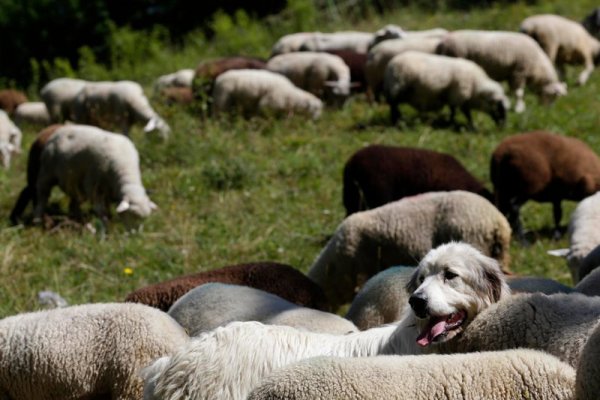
<point x="233" y="190"/>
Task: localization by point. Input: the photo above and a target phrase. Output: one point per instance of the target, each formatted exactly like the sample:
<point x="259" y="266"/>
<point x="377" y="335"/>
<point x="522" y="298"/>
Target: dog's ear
<point x="413" y="283"/>
<point x="493" y="277"/>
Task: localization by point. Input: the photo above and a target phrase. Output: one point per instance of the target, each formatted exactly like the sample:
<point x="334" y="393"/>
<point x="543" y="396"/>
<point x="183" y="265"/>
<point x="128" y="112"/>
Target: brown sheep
<point x="279" y="279"/>
<point x="33" y="166"/>
<point x="177" y="95"/>
<point x="544" y="167"/>
<point x="377" y="174"/>
<point x="10" y="99"/>
<point x="357" y="63"/>
<point x="208" y="71"/>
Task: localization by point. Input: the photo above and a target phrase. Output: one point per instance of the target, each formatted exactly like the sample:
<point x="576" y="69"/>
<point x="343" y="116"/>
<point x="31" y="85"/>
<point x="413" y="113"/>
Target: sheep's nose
<point x="419" y="305"/>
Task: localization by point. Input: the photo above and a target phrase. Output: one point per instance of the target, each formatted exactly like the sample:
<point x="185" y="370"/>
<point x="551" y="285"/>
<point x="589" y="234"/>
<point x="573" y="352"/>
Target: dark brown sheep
<point x="376" y="175"/>
<point x="357" y="63"/>
<point x="592" y="23"/>
<point x="544" y="167"/>
<point x="33" y="166"/>
<point x="177" y="95"/>
<point x="283" y="280"/>
<point x="208" y="71"/>
<point x="10" y="100"/>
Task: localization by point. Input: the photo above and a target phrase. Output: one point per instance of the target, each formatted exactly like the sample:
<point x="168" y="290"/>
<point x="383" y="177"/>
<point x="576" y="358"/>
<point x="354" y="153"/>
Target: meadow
<point x="232" y="190"/>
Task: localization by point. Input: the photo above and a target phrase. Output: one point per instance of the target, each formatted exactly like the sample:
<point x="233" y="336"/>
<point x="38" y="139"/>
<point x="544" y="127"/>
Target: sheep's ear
<point x="123" y="206"/>
<point x="331" y="83"/>
<point x="559" y="252"/>
<point x="153" y="205"/>
<point x="151" y="125"/>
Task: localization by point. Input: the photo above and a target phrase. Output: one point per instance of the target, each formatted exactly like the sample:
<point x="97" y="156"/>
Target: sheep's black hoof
<point x="557" y="234"/>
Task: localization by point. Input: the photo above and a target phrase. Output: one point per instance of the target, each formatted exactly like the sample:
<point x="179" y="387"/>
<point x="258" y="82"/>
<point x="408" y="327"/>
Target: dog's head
<point x="451" y="285"/>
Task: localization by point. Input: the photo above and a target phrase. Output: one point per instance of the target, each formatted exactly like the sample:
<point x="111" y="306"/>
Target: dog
<point x="451" y="285"/>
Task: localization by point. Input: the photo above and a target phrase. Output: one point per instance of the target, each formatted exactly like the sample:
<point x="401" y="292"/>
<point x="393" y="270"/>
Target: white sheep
<point x="257" y="91"/>
<point x="401" y="233"/>
<point x="58" y="95"/>
<point x="32" y="112"/>
<point x="565" y="41"/>
<point x="531" y="284"/>
<point x="212" y="305"/>
<point x="382" y="299"/>
<point x="587" y="382"/>
<point x="291" y="42"/>
<point x="510" y="374"/>
<point x="428" y="82"/>
<point x="182" y="79"/>
<point x="86" y="351"/>
<point x="325" y="75"/>
<point x="10" y="139"/>
<point x="379" y="57"/>
<point x="508" y="56"/>
<point x="559" y="324"/>
<point x="89" y="163"/>
<point x="342" y="40"/>
<point x="116" y="105"/>
<point x="228" y="362"/>
<point x="390" y="32"/>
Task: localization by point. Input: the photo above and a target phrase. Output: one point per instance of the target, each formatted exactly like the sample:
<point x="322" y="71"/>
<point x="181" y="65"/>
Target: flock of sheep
<point x="422" y="257"/>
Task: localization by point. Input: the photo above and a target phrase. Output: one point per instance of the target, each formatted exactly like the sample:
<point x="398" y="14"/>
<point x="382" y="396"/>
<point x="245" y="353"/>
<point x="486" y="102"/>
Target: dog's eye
<point x="449" y="275"/>
<point x="421" y="279"/>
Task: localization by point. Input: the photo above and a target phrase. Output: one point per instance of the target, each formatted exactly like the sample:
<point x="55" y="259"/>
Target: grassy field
<point x="234" y="190"/>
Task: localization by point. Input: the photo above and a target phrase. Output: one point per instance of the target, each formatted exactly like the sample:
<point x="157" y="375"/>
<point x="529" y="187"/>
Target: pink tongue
<point x="435" y="328"/>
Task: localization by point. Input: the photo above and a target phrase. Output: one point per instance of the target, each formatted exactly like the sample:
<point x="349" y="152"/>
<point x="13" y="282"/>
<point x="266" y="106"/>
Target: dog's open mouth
<point x="438" y="327"/>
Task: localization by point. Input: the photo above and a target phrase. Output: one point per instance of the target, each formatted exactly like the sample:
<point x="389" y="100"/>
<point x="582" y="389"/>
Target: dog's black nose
<point x="419" y="305"/>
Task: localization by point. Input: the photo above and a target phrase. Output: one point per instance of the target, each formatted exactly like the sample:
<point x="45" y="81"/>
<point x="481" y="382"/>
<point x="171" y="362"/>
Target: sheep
<point x="529" y="284"/>
<point x="228" y="362"/>
<point x="378" y="174"/>
<point x="34" y="112"/>
<point x="382" y="299"/>
<point x="591" y="23"/>
<point x="589" y="263"/>
<point x="544" y="167"/>
<point x="429" y="81"/>
<point x="10" y="139"/>
<point x="58" y="95"/>
<point x="508" y="56"/>
<point x="33" y="169"/>
<point x="280" y="279"/>
<point x="391" y="32"/>
<point x="290" y="43"/>
<point x="180" y="79"/>
<point x="564" y="41"/>
<point x="588" y="370"/>
<point x="379" y="57"/>
<point x="89" y="163"/>
<point x="402" y="232"/>
<point x="357" y="64"/>
<point x="117" y="105"/>
<point x="257" y="91"/>
<point x="590" y="284"/>
<point x="207" y="71"/>
<point x="177" y="95"/>
<point x="342" y="40"/>
<point x="325" y="75"/>
<point x="211" y="305"/>
<point x="86" y="351"/>
<point x="558" y="324"/>
<point x="510" y="374"/>
<point x="10" y="99"/>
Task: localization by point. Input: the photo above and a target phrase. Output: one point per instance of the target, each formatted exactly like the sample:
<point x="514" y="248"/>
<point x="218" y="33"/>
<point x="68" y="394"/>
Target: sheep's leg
<point x="75" y="210"/>
<point x="557" y="211"/>
<point x="43" y="189"/>
<point x="585" y="74"/>
<point x="519" y="94"/>
<point x="395" y="114"/>
<point x="467" y="111"/>
<point x="514" y="219"/>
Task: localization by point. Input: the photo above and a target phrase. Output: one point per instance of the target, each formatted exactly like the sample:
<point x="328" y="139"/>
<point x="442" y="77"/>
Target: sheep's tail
<point x="151" y="374"/>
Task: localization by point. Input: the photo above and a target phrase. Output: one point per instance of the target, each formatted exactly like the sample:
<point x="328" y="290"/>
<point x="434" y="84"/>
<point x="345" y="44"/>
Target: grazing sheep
<point x="401" y="233"/>
<point x="207" y="71"/>
<point x="10" y="139"/>
<point x="429" y="81"/>
<point x="211" y="305"/>
<point x="592" y="23"/>
<point x="357" y="64"/>
<point x="34" y="113"/>
<point x="376" y="175"/>
<point x="83" y="352"/>
<point x="10" y="100"/>
<point x="33" y="170"/>
<point x="507" y="56"/>
<point x="280" y="279"/>
<point x="544" y="167"/>
<point x="325" y="75"/>
<point x="88" y="163"/>
<point x="558" y="324"/>
<point x="494" y="375"/>
<point x="590" y="284"/>
<point x="588" y="371"/>
<point x="589" y="263"/>
<point x="177" y="95"/>
<point x="342" y="40"/>
<point x="565" y="42"/>
<point x="179" y="79"/>
<point x="392" y="32"/>
<point x="382" y="299"/>
<point x="59" y="95"/>
<point x="290" y="43"/>
<point x="117" y="105"/>
<point x="254" y="92"/>
<point x="529" y="284"/>
<point x="379" y="57"/>
<point x="228" y="362"/>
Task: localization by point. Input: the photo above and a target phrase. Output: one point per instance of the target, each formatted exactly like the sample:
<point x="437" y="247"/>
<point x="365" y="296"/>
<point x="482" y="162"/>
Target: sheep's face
<point x="158" y="124"/>
<point x="452" y="284"/>
<point x="134" y="207"/>
<point x="552" y="91"/>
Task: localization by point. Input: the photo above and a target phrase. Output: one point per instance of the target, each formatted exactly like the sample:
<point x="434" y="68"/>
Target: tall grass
<point x="233" y="190"/>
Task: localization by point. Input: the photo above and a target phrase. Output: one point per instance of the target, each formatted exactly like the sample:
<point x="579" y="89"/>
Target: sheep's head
<point x="552" y="91"/>
<point x="452" y="284"/>
<point x="157" y="123"/>
<point x="494" y="102"/>
<point x="387" y="32"/>
<point x="135" y="205"/>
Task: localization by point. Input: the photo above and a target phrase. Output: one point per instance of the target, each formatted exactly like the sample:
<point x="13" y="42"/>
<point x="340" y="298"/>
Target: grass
<point x="233" y="190"/>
